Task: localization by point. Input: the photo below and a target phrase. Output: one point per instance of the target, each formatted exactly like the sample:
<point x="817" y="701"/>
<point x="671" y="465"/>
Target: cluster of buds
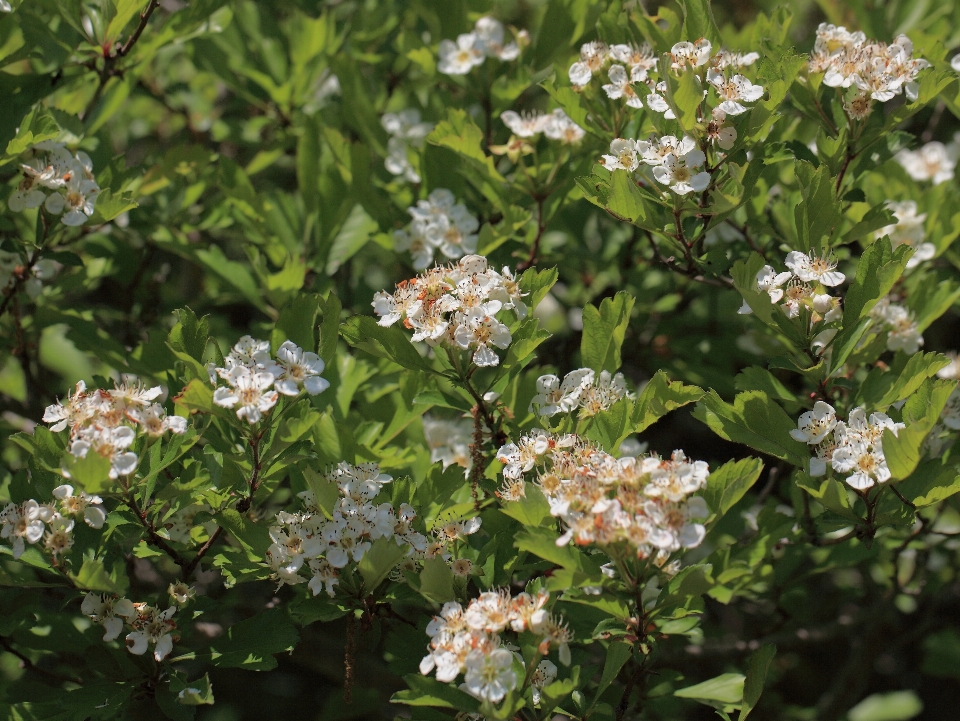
<point x="528" y="125"/>
<point x="899" y="323"/>
<point x="472" y="49"/>
<point x="109" y="421"/>
<point x="457" y="307"/>
<point x="406" y="131"/>
<point x="30" y="521"/>
<point x="869" y="70"/>
<point x="149" y="625"/>
<point x="803" y="288"/>
<point x="308" y="540"/>
<point x="254" y="379"/>
<point x="439" y="223"/>
<point x="908" y="230"/>
<point x="854" y="448"/>
<point x="580" y="389"/>
<point x="59" y="181"/>
<point x="642" y="502"/>
<point x="468" y="641"/>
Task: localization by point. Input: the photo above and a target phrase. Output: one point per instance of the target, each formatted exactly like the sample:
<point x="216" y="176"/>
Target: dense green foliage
<point x="479" y="265"/>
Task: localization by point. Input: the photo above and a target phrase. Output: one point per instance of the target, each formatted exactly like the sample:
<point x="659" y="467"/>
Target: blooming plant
<point x="347" y="350"/>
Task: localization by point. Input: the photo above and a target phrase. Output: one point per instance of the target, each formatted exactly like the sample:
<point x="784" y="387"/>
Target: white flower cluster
<point x="255" y="380"/>
<point x="645" y="502"/>
<point x="580" y="389"/>
<point x="674" y="161"/>
<point x="456" y="306"/>
<point x="439" y="223"/>
<point x="854" y="448"/>
<point x="899" y="324"/>
<point x="449" y="441"/>
<point x="27" y="522"/>
<point x="12" y="266"/>
<point x="468" y="641"/>
<point x="471" y="49"/>
<point x="149" y="625"/>
<point x="67" y="177"/>
<point x="325" y="546"/>
<point x="934" y="161"/>
<point x="108" y="422"/>
<point x="405" y="131"/>
<point x="630" y="65"/>
<point x="806" y="282"/>
<point x="908" y="230"/>
<point x="556" y="125"/>
<point x="875" y="70"/>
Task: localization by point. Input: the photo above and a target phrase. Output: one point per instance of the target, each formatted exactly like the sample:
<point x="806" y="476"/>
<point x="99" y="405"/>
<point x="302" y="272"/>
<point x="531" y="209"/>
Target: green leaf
<point x="459" y="133"/>
<point x="756" y="676"/>
<point x="930" y="483"/>
<point x="624" y="199"/>
<point x="109" y="206"/>
<point x="391" y="343"/>
<point x="532" y="510"/>
<point x="754" y="378"/>
<point x="698" y="22"/>
<point x="436" y="580"/>
<point x="250" y="644"/>
<point x="188" y="340"/>
<point x="878" y="269"/>
<point x="193" y="693"/>
<point x="37" y="126"/>
<point x="728" y="484"/>
<point x="660" y="396"/>
<point x="920" y="413"/>
<point x="542" y="542"/>
<point x="754" y="420"/>
<point x="892" y="706"/>
<point x="253" y="537"/>
<point x="234" y="273"/>
<point x="356" y="230"/>
<point x="94" y="577"/>
<point x="379" y="560"/>
<point x="831" y="493"/>
<point x="298" y="322"/>
<point x="604" y="331"/>
<point x="818" y="213"/>
<point x="426" y="691"/>
<point x="91" y="473"/>
<point x="197" y="397"/>
<point x="617" y="655"/>
<point x="125" y="10"/>
<point x="535" y="284"/>
<point x="308" y="165"/>
<point x="326" y="493"/>
<point x="725" y="689"/>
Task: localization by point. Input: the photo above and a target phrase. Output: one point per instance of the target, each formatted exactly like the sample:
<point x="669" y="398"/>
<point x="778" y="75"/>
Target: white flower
<point x="903" y="333"/>
<point x="460" y="57"/>
<point x="249" y="391"/>
<point x="619" y="87"/>
<point x="152" y="626"/>
<point x="108" y="611"/>
<point x="865" y="464"/>
<point x="815" y="425"/>
<point x="685" y="54"/>
<point x="955" y="63"/>
<point x="299" y="369"/>
<point x="78" y="198"/>
<point x="554" y="397"/>
<point x="769" y="281"/>
<point x="89" y="506"/>
<point x="677" y="169"/>
<point x="593" y="56"/>
<point x="952" y="369"/>
<point x="110" y="443"/>
<point x="934" y="161"/>
<point x="448" y="440"/>
<point x="559" y="126"/>
<point x="719" y="134"/>
<point x="733" y="91"/>
<point x="21" y="523"/>
<point x="525" y="125"/>
<point x="489" y="676"/>
<point x="489" y="32"/>
<point x="809" y="267"/>
<point x="623" y="155"/>
<point x="544" y="675"/>
<point x="481" y="331"/>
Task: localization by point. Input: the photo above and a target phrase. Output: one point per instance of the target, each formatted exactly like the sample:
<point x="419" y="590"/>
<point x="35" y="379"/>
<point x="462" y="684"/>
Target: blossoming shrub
<point x="466" y="360"/>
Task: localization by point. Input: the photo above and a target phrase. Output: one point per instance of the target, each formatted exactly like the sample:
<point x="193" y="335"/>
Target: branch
<point x="30" y="666"/>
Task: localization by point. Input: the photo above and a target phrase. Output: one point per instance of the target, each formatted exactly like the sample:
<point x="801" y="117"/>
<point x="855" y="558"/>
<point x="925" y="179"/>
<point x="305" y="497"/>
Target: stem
<point x="109" y="59"/>
<point x="477" y="458"/>
<point x="244" y="505"/>
<point x="535" y="249"/>
<point x="155" y="539"/>
<point x="30" y="666"/>
<point x="348" y="658"/>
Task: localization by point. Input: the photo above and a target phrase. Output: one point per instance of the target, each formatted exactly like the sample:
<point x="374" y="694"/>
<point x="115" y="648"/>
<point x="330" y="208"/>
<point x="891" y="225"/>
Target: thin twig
<point x="31" y="666"/>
